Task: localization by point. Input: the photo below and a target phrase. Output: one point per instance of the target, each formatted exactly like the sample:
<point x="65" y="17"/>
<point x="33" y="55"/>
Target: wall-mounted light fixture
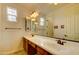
<point x="33" y="16"/>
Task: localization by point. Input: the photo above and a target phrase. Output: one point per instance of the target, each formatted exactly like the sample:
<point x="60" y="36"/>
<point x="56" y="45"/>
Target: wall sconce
<point x="55" y="27"/>
<point x="62" y="26"/>
<point x="34" y="15"/>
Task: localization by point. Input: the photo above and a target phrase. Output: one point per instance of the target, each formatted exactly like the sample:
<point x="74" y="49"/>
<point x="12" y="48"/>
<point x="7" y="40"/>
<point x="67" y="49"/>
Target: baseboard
<point x="16" y="51"/>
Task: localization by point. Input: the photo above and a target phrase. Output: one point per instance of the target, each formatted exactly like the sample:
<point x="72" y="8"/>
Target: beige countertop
<point x="50" y="45"/>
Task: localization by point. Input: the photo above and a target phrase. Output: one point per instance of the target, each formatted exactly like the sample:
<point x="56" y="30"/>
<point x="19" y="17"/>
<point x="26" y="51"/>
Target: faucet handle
<point x="59" y="41"/>
<point x="63" y="43"/>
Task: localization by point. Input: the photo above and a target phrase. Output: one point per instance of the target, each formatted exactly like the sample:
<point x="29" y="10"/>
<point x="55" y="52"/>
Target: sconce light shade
<point x="33" y="19"/>
<point x="34" y="15"/>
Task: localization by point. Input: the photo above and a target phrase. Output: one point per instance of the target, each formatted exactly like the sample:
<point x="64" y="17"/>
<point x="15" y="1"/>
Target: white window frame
<point x="42" y="21"/>
<point x="11" y="14"/>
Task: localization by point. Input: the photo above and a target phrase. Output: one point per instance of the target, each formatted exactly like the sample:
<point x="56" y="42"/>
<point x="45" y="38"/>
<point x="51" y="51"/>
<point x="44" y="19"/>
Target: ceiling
<point x="36" y="6"/>
<point x="44" y="8"/>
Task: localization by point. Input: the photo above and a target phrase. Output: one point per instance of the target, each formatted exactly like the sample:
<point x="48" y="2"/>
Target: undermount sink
<point x="64" y="49"/>
<point x="54" y="45"/>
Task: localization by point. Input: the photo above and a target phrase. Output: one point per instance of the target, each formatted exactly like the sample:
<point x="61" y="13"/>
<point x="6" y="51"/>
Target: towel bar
<point x="13" y="28"/>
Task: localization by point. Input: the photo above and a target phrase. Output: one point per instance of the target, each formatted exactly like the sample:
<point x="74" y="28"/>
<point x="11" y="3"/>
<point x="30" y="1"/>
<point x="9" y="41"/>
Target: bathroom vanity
<point x="33" y="49"/>
<point x="40" y="45"/>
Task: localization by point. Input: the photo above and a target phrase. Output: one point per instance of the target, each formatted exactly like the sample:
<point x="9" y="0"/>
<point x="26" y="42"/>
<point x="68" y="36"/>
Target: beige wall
<point x="10" y="40"/>
<point x="0" y="26"/>
<point x="68" y="16"/>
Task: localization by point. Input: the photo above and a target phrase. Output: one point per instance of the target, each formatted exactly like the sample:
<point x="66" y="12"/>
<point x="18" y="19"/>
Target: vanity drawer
<point x="32" y="44"/>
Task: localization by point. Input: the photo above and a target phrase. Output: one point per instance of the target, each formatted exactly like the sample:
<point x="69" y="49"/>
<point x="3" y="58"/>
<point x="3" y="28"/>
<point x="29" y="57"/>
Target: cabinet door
<point x="29" y="47"/>
<point x="32" y="44"/>
<point x="31" y="50"/>
<point x="25" y="44"/>
<point x="41" y="51"/>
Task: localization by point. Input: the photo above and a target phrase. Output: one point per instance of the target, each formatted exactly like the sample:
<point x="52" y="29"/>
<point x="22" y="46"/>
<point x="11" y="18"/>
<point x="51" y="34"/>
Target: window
<point x="11" y="14"/>
<point x="42" y="21"/>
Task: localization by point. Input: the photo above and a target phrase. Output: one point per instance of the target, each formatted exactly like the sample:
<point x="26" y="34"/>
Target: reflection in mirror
<point x="63" y="22"/>
<point x="42" y="21"/>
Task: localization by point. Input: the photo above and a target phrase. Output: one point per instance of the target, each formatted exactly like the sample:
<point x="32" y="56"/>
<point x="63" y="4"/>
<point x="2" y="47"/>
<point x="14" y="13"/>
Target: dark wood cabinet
<point x="41" y="51"/>
<point x="29" y="47"/>
<point x="25" y="44"/>
<point x="32" y="44"/>
<point x="33" y="49"/>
